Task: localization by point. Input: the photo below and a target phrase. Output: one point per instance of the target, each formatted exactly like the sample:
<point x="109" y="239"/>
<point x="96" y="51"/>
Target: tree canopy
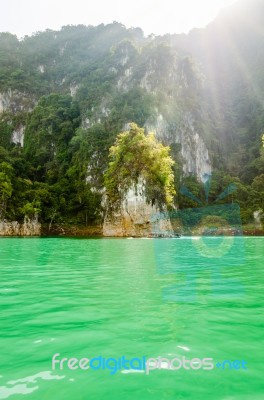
<point x="136" y="156"/>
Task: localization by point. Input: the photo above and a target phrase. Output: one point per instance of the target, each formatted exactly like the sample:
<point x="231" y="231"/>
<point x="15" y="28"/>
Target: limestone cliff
<point x="176" y="80"/>
<point x="136" y="217"/>
<point x="194" y="153"/>
<point x="116" y="76"/>
<point x="15" y="101"/>
<point x="27" y="228"/>
<point x="14" y="104"/>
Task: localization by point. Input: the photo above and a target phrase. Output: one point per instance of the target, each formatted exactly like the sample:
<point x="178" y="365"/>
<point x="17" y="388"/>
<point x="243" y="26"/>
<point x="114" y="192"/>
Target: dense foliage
<point x="137" y="159"/>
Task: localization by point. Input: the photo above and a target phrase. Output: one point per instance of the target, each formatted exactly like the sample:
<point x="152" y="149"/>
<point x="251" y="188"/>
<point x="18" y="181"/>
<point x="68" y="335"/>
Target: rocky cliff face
<point x="155" y="68"/>
<point x="18" y="135"/>
<point x="173" y="78"/>
<point x="28" y="228"/>
<point x="257" y="217"/>
<point x="14" y="101"/>
<point x="194" y="153"/>
<point x="150" y="77"/>
<point x="136" y="217"/>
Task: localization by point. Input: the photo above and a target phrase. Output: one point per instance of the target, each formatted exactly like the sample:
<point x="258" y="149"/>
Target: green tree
<point x="51" y="126"/>
<point x="6" y="188"/>
<point x="258" y="191"/>
<point x="138" y="156"/>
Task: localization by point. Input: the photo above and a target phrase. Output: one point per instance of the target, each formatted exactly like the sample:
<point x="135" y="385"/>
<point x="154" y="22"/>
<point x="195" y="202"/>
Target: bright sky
<point x="24" y="17"/>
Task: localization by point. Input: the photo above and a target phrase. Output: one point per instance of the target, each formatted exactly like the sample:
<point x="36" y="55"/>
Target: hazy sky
<point x="24" y="17"/>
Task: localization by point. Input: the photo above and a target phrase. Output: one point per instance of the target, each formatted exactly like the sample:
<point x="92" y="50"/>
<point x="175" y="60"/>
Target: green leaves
<point x="50" y="128"/>
<point x="6" y="188"/>
<point x="136" y="156"/>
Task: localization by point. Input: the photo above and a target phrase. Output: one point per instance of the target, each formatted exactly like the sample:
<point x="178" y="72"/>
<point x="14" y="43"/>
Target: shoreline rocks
<point x="14" y="228"/>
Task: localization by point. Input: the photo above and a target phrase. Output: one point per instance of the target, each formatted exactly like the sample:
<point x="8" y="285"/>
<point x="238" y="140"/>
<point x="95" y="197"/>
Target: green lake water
<point x="173" y="298"/>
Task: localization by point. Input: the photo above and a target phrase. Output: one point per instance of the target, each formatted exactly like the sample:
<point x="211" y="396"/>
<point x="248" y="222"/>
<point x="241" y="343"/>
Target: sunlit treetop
<point x="137" y="157"/>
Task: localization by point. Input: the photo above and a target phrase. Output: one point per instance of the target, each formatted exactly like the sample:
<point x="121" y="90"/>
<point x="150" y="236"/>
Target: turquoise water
<point x="119" y="297"/>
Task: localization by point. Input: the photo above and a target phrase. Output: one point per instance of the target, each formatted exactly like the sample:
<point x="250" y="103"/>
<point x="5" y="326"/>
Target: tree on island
<point x="137" y="157"/>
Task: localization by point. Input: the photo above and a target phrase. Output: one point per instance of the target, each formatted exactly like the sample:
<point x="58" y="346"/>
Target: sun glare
<point x="153" y="16"/>
<point x="179" y="15"/>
